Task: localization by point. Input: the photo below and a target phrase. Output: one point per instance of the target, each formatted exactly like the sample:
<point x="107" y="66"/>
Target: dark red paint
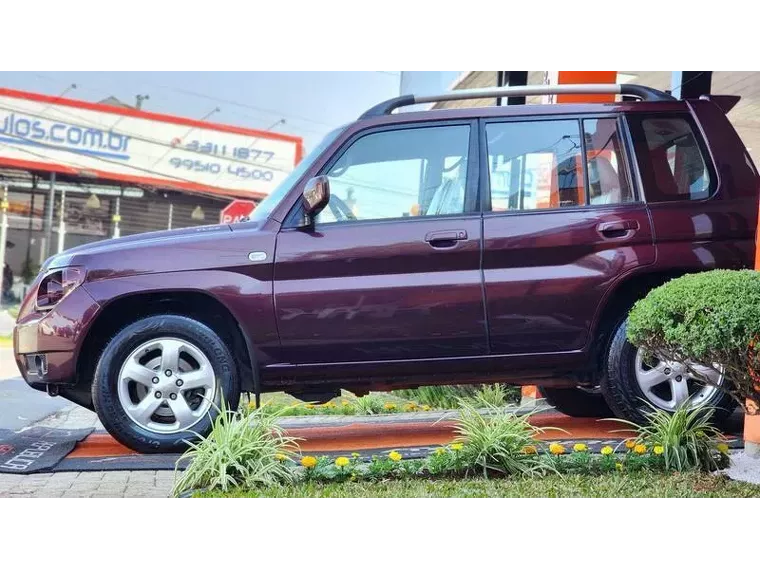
<point x="374" y="304"/>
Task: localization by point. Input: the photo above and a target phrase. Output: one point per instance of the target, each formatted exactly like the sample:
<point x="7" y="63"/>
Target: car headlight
<point x="56" y="284"/>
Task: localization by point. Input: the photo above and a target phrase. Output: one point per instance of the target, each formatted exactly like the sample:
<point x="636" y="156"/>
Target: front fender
<point x="248" y="298"/>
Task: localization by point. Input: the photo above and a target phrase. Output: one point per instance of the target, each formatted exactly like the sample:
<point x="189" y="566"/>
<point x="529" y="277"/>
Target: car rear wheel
<point x="576" y="401"/>
<point x="634" y="384"/>
<point x="160" y="381"/>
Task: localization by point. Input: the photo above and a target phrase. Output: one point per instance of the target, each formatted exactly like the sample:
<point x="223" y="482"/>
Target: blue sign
<point x="16" y="129"/>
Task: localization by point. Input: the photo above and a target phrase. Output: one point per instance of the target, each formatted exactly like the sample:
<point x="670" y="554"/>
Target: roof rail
<point x="639" y="91"/>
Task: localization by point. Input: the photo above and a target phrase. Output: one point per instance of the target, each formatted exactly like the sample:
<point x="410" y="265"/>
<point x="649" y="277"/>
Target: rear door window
<point x="671" y="157"/>
<point x="539" y="164"/>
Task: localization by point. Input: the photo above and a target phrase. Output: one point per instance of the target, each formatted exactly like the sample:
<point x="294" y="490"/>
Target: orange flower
<point x="556" y="449"/>
<point x="308" y="462"/>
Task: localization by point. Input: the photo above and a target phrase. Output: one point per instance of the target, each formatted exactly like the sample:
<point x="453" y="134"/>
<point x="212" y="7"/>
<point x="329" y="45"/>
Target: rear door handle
<point x="618" y="229"/>
<point x="445" y="239"/>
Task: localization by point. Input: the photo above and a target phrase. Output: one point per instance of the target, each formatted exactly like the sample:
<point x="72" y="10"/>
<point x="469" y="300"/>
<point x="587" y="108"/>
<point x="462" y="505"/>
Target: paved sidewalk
<point x="135" y="484"/>
<point x="8" y="367"/>
<point x="112" y="484"/>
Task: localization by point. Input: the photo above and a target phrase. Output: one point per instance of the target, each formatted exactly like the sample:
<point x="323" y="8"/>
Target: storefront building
<point x="78" y="172"/>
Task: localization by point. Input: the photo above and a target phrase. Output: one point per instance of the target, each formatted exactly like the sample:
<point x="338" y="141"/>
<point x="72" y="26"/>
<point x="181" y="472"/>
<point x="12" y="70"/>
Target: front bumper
<point x="46" y="344"/>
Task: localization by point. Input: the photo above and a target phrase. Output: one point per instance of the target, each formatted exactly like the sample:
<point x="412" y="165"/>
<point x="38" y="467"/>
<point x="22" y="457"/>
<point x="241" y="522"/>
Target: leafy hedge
<point x="711" y="318"/>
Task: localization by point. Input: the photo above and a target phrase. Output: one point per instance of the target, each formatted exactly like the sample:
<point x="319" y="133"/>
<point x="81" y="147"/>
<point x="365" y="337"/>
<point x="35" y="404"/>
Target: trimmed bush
<point x="712" y="318"/>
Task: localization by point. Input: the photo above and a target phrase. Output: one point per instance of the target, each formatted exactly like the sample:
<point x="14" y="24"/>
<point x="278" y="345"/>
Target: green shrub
<point x="683" y="440"/>
<point x="497" y="441"/>
<point x="243" y="449"/>
<point x="712" y="318"/>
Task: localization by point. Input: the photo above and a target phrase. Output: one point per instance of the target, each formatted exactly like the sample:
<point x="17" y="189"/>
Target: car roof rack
<point x="638" y="91"/>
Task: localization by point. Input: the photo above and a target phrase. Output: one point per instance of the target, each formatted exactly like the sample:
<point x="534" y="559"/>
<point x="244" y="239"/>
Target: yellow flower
<point x="309" y="406"/>
<point x="341" y="461"/>
<point x="425" y="407"/>
<point x="394" y="456"/>
<point x="607" y="450"/>
<point x="457" y="446"/>
<point x="345" y="403"/>
<point x="440" y="450"/>
<point x="722" y="448"/>
<point x="252" y="405"/>
<point x="556" y="449"/>
<point x="355" y="455"/>
<point x="619" y="466"/>
<point x="639" y="449"/>
<point x="410" y="407"/>
<point x="530" y="449"/>
<point x="658" y="449"/>
<point x="630" y="443"/>
<point x="389" y="406"/>
<point x="281" y="457"/>
<point x="308" y="462"/>
<point x="580" y="447"/>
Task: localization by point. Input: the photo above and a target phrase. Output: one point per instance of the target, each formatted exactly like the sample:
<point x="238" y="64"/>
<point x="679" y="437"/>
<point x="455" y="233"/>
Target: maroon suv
<point x="501" y="244"/>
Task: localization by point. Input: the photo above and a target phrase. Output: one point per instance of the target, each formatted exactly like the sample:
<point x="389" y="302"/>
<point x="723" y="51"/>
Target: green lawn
<point x="570" y="486"/>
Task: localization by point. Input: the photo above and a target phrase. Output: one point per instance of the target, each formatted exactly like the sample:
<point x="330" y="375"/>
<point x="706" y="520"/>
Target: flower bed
<point x="248" y="449"/>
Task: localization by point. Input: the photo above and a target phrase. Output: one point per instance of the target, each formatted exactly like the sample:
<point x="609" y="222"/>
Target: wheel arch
<point x="200" y="305"/>
<point x="620" y="299"/>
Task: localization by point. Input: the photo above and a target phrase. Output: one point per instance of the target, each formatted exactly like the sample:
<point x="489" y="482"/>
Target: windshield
<point x="266" y="206"/>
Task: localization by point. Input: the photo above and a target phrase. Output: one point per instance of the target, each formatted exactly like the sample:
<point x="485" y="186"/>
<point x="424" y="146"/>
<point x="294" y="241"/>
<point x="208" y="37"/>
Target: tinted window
<point x="671" y="161"/>
<point x="535" y="165"/>
<point x="401" y="173"/>
<point x="607" y="181"/>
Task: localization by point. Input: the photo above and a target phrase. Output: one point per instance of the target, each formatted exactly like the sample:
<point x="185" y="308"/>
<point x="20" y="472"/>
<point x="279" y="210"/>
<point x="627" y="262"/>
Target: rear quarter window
<point x="672" y="158"/>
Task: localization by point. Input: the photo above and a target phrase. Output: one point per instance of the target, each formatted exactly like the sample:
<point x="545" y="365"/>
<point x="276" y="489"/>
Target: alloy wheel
<point x="166" y="385"/>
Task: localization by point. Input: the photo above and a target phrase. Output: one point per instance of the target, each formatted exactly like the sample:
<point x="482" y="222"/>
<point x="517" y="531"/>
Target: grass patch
<point x="450" y="396"/>
<point x="639" y="485"/>
<point x="401" y="401"/>
<point x="6" y="341"/>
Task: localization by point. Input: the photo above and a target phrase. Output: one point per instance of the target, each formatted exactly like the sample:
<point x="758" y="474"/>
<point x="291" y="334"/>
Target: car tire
<point x="576" y="402"/>
<point x="621" y="389"/>
<point x="123" y="391"/>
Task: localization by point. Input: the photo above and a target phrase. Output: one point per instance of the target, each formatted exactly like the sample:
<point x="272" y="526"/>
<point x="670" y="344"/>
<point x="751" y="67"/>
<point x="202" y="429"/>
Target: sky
<point x="311" y="102"/>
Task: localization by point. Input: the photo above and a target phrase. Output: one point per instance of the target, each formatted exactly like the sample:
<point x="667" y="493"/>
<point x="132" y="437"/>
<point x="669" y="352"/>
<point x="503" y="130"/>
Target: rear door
<point x="559" y="229"/>
<point x="391" y="270"/>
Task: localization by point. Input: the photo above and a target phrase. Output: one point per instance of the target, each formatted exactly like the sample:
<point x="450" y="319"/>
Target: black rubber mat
<point x="37" y="449"/>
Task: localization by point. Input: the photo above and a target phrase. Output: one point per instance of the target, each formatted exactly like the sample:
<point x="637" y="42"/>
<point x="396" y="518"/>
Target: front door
<point x="560" y="232"/>
<point x="391" y="269"/>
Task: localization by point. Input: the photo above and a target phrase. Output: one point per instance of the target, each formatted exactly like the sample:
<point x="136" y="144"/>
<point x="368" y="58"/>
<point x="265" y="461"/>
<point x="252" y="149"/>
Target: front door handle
<point x="618" y="229"/>
<point x="445" y="239"/>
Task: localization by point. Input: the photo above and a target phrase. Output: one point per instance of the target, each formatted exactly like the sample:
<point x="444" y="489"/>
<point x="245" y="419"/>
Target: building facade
<point x="74" y="172"/>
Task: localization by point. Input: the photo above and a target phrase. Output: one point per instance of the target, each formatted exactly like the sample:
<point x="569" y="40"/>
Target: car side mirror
<point x="316" y="194"/>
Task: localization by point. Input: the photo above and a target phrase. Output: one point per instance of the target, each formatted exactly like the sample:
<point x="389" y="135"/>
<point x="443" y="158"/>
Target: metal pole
<point x="171" y="214"/>
<point x="61" y="221"/>
<point x="117" y="216"/>
<point x="27" y="267"/>
<point x="3" y="234"/>
<point x="49" y="221"/>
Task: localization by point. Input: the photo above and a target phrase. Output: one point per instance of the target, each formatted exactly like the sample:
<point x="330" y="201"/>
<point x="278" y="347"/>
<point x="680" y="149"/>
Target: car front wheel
<point x="160" y="381"/>
<point x="634" y="384"/>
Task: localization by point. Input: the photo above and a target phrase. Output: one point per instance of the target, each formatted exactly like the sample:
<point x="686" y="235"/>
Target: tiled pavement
<point x="114" y="484"/>
<point x="135" y="484"/>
